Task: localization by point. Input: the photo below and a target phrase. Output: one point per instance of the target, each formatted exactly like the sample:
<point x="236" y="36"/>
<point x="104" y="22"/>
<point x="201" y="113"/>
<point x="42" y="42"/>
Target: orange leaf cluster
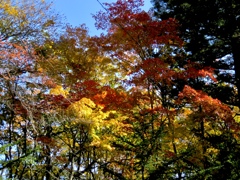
<point x="212" y="109"/>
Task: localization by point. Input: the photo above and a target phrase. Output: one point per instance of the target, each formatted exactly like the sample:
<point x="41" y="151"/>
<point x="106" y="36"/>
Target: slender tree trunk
<point x="10" y="148"/>
<point x="236" y="56"/>
<point x="142" y="171"/>
<point x="48" y="163"/>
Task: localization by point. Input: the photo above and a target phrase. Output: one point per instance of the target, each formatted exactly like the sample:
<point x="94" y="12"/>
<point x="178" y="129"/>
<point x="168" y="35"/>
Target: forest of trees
<point x="155" y="97"/>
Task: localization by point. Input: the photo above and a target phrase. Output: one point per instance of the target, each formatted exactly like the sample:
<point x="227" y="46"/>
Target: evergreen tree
<point x="211" y="31"/>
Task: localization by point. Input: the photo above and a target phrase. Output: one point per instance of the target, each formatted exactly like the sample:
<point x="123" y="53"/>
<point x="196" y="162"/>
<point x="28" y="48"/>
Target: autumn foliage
<point x="115" y="106"/>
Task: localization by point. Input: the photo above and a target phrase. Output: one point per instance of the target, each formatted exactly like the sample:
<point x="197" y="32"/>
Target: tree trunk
<point x="236" y="56"/>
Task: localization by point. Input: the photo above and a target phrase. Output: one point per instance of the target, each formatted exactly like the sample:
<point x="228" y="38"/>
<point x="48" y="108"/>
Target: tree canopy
<point x="142" y="101"/>
<point x="211" y="32"/>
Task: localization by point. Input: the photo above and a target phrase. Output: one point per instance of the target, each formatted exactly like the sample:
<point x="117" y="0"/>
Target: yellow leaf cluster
<point x="58" y="90"/>
<point x="236" y="113"/>
<point x="100" y="124"/>
<point x="86" y="112"/>
<point x="9" y="9"/>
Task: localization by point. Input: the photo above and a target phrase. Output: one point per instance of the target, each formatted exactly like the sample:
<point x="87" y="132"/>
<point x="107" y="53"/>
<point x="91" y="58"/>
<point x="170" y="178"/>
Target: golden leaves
<point x="9" y="9"/>
<point x="82" y="109"/>
<point x="58" y="90"/>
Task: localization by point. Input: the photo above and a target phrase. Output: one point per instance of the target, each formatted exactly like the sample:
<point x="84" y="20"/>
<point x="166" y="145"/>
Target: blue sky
<point x="79" y="11"/>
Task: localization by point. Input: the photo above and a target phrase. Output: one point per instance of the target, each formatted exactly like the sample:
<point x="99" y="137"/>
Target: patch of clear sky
<point x="79" y="12"/>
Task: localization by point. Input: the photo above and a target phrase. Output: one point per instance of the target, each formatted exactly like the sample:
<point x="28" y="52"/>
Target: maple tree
<point x="116" y="106"/>
<point x="21" y="28"/>
<point x="162" y="76"/>
<point x="27" y="20"/>
<point x="76" y="55"/>
<point x="17" y="107"/>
